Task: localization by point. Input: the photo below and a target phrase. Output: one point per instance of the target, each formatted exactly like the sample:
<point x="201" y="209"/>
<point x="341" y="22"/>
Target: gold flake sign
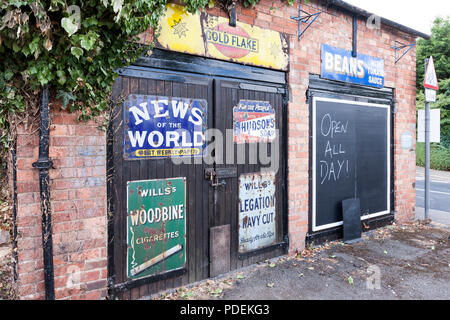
<point x="210" y="36"/>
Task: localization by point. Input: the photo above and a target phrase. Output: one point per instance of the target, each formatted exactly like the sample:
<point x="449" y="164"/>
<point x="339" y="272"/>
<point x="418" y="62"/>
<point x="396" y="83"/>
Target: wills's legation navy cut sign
<point x="339" y="64"/>
<point x="160" y="127"/>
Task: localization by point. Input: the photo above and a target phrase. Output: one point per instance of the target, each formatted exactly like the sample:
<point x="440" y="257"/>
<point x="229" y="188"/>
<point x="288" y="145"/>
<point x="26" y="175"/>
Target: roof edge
<point x="361" y="12"/>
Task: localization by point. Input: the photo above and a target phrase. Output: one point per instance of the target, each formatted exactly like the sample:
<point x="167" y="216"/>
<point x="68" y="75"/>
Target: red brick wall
<point x="78" y="206"/>
<point x="335" y="28"/>
<point x="78" y="180"/>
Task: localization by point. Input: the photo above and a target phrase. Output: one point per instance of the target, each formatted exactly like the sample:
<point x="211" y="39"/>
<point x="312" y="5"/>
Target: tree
<point x="438" y="47"/>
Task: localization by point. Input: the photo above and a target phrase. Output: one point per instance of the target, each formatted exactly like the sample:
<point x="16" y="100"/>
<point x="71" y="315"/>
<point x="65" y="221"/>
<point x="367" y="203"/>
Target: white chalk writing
<point x="335" y="165"/>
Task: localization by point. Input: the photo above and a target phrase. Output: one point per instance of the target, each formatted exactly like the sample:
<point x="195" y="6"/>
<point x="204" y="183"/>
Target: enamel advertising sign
<point x="156" y="226"/>
<point x="210" y="36"/>
<point x="339" y="64"/>
<point x="257" y="213"/>
<point x="160" y="127"/>
<point x="253" y="121"/>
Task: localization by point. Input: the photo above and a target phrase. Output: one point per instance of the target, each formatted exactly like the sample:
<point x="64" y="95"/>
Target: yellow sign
<point x="210" y="36"/>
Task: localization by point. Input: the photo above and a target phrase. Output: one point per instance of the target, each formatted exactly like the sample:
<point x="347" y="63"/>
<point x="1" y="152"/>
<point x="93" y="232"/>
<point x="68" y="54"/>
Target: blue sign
<point x="339" y="64"/>
<point x="161" y="127"/>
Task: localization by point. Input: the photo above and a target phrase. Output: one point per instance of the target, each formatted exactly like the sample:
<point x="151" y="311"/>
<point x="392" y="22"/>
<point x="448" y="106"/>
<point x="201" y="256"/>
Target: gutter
<point x="365" y="14"/>
<point x="44" y="164"/>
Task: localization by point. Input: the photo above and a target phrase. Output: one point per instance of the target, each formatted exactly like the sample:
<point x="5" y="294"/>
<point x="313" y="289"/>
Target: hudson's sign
<point x="339" y="64"/>
<point x="210" y="36"/>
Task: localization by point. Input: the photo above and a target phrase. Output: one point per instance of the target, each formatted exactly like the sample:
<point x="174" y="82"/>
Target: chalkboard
<point x="351" y="159"/>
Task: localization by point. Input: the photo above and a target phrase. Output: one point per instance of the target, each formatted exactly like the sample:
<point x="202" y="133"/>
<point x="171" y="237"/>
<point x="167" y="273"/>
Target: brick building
<point x="91" y="244"/>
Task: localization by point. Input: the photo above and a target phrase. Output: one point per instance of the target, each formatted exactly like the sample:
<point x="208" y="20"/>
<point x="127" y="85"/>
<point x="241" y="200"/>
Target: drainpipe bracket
<point x="43" y="164"/>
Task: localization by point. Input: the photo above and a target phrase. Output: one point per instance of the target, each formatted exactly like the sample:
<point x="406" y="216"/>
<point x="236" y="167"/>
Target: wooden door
<point x="127" y="170"/>
<point x="214" y="190"/>
<point x="250" y="197"/>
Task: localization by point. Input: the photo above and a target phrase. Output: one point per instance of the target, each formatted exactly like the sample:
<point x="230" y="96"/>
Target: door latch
<point x="218" y="183"/>
<point x="211" y="175"/>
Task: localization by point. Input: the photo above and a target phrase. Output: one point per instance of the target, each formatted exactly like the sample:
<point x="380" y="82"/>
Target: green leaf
<point x="32" y="70"/>
<point x="62" y="80"/>
<point x="240" y="276"/>
<point x="187" y="294"/>
<point x="88" y="41"/>
<point x="8" y="75"/>
<point x="69" y="25"/>
<point x="77" y="52"/>
<point x="66" y="97"/>
<point x="85" y="44"/>
<point x="11" y="95"/>
<point x="34" y="45"/>
<point x="26" y="50"/>
<point x="16" y="47"/>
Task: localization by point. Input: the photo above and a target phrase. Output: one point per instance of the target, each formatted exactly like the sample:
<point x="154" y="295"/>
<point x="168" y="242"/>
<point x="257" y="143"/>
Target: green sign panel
<point x="156" y="226"/>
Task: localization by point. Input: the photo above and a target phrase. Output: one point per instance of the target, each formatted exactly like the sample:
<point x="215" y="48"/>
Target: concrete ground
<point x="437" y="217"/>
<point x="395" y="263"/>
<point x="7" y="291"/>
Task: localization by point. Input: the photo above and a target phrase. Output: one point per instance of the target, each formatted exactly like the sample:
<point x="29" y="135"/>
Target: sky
<point x="416" y="14"/>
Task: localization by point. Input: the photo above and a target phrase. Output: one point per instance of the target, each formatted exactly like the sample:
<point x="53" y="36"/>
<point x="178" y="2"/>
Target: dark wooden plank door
<point x="197" y="189"/>
<point x="207" y="206"/>
<point x="228" y="94"/>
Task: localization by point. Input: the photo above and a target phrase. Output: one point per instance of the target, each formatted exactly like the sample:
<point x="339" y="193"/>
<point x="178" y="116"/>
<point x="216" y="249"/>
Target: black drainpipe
<point x="44" y="164"/>
<point x="14" y="177"/>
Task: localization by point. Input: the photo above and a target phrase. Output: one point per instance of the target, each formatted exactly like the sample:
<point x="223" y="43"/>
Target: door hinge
<point x="286" y="240"/>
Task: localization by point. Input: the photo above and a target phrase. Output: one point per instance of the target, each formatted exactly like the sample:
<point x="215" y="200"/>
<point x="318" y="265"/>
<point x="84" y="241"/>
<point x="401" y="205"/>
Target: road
<point x="439" y="196"/>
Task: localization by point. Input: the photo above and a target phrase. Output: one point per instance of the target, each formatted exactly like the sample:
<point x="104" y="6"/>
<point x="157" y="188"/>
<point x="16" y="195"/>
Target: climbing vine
<point x="73" y="47"/>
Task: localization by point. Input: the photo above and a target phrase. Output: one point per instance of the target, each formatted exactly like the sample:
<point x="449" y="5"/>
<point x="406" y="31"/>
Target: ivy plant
<point x="74" y="48"/>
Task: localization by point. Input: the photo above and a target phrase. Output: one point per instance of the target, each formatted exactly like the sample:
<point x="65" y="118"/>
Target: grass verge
<point x="440" y="156"/>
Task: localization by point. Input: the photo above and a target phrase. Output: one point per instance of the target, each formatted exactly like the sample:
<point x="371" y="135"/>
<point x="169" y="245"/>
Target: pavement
<point x="439" y="196"/>
<point x="398" y="262"/>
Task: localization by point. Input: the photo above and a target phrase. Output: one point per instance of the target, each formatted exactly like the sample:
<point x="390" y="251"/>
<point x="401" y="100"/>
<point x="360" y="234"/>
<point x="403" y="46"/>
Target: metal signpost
<point x="430" y="83"/>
